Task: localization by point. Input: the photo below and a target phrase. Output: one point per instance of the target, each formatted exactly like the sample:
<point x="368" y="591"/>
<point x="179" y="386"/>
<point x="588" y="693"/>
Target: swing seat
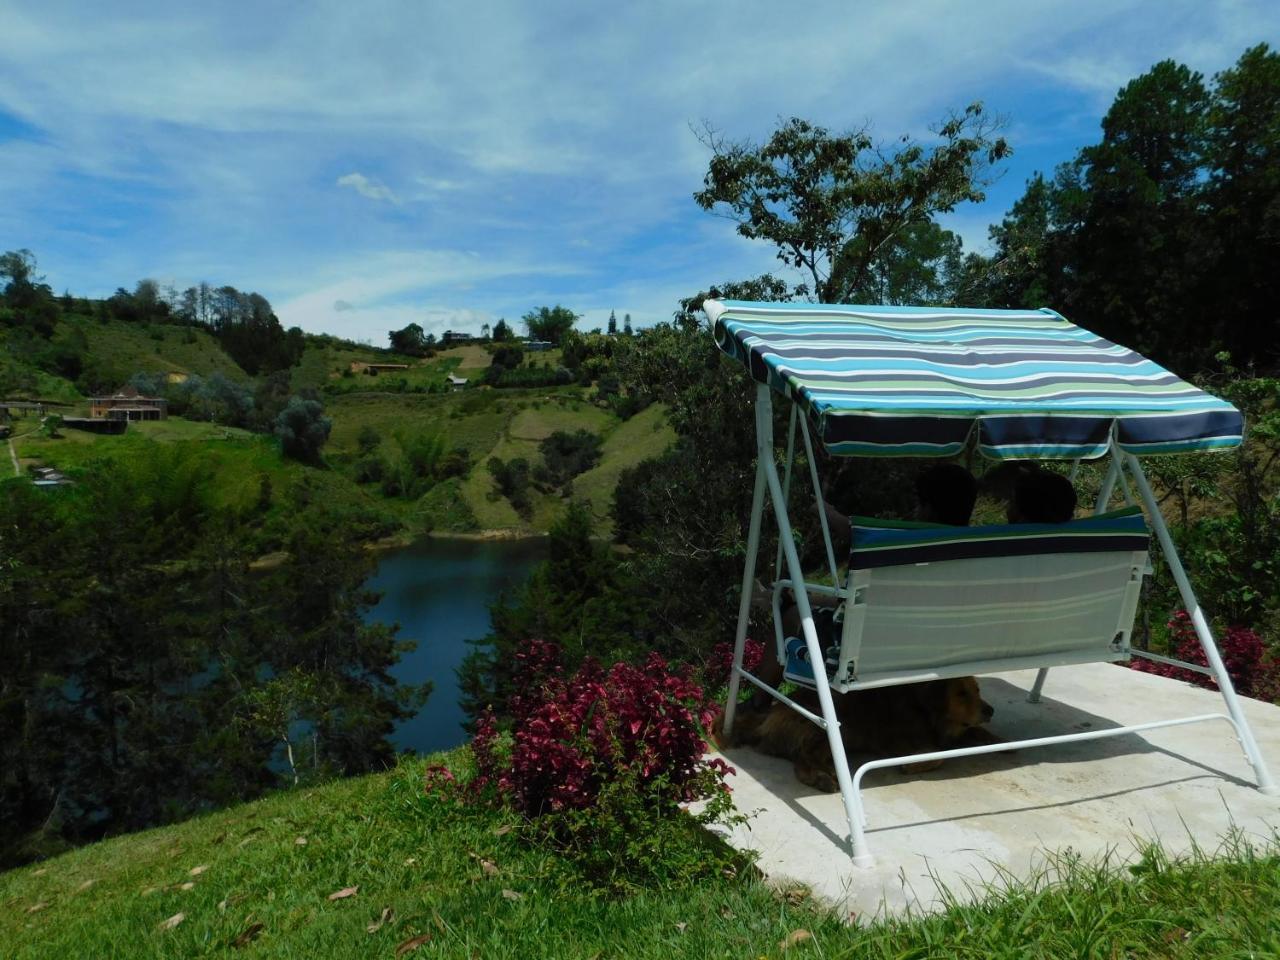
<point x="926" y="602"/>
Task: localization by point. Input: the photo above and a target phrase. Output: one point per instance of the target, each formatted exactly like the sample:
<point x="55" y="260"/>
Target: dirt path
<point x="13" y="455"/>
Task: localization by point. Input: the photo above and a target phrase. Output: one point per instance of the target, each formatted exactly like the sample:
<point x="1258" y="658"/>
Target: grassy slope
<point x="421" y="857"/>
<point x="506" y="424"/>
<point x="123" y="349"/>
<point x="237" y="461"/>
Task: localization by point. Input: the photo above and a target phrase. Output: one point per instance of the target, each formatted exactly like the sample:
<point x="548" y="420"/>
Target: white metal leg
<point x="852" y="802"/>
<point x="744" y="604"/>
<point x="1245" y="734"/>
<point x="1034" y="695"/>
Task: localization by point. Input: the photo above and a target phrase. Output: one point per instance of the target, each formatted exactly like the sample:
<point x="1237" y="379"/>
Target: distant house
<point x="537" y="346"/>
<point x="456" y="336"/>
<point x="128" y="404"/>
<point x="456" y="383"/>
<point x="359" y="366"/>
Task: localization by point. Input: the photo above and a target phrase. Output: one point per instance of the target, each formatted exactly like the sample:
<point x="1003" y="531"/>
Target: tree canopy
<point x="835" y="205"/>
<point x="550" y="323"/>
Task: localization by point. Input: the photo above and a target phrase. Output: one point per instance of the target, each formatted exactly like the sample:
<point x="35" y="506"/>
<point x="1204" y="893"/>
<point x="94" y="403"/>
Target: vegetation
<point x="549" y="323"/>
<point x="152" y="674"/>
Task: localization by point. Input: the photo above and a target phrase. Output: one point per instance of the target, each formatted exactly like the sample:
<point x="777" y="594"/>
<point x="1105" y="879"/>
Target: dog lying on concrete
<point x="881" y="722"/>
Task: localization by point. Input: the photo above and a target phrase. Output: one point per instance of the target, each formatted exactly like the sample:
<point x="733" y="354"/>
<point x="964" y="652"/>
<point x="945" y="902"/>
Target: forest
<point x="152" y="672"/>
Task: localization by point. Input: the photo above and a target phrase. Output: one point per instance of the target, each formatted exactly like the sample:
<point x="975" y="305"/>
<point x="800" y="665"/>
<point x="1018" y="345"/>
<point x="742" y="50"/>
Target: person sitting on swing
<point x="1042" y="497"/>
<point x="945" y="494"/>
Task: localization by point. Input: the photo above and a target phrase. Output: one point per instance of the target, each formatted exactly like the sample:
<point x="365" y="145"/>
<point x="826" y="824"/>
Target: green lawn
<point x="263" y="877"/>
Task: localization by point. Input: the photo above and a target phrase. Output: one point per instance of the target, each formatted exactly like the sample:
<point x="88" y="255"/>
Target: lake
<point x="439" y="591"/>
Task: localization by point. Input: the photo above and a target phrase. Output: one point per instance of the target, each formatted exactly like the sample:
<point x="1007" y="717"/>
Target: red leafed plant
<point x="578" y="735"/>
<point x="720" y="663"/>
<point x="1252" y="673"/>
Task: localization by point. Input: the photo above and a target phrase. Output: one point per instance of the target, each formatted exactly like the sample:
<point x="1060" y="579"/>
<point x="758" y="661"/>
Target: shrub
<point x="600" y="764"/>
<point x="1252" y="673"/>
<point x="565" y="455"/>
<point x="512" y="480"/>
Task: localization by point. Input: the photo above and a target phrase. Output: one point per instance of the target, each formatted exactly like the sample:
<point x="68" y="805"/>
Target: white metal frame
<point x="768" y="481"/>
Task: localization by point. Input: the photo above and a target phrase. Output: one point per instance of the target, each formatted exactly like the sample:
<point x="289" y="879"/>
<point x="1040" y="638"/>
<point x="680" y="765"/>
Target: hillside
<point x="405" y="407"/>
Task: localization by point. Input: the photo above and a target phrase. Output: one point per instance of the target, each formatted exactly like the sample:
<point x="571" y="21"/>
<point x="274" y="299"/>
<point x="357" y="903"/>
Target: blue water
<point x="439" y="592"/>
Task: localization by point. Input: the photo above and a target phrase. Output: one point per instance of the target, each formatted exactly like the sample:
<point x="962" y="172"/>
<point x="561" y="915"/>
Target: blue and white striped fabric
<point x="926" y="381"/>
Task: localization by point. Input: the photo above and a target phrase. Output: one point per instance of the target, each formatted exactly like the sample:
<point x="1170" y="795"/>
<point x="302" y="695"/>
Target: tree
<point x="1243" y="192"/>
<point x="409" y="341"/>
<point x="834" y="205"/>
<point x="550" y="323"/>
<point x="303" y="429"/>
<point x="1128" y="208"/>
<point x="612" y="329"/>
<point x="626" y="325"/>
<point x="485" y="331"/>
<point x="919" y="265"/>
<point x="24" y="287"/>
<point x="501" y="331"/>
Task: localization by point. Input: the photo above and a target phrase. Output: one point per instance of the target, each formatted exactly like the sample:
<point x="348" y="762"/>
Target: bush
<point x="367" y="440"/>
<point x="600" y="765"/>
<point x="512" y="480"/>
<point x="1252" y="673"/>
<point x="565" y="455"/>
<point x="303" y="429"/>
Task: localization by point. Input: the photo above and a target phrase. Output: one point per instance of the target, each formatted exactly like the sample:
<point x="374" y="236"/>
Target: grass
<point x="121" y="349"/>
<point x="645" y="435"/>
<point x="504" y="424"/>
<point x="262" y="875"/>
<point x="235" y="462"/>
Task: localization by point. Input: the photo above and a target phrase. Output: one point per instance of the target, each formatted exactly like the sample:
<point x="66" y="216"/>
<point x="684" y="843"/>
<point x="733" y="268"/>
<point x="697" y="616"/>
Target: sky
<point x="367" y="165"/>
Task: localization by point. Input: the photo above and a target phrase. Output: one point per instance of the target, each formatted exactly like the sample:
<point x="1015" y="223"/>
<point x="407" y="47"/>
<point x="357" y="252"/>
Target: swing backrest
<point x="927" y="601"/>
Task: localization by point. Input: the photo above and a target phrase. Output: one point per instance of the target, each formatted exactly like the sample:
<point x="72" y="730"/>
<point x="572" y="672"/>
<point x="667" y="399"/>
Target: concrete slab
<point x="976" y="817"/>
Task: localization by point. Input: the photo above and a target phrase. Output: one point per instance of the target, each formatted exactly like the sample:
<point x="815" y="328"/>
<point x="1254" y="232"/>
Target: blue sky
<point x="364" y="165"/>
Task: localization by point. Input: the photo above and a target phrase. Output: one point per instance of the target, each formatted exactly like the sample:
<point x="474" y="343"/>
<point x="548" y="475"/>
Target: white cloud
<point x="367" y="187"/>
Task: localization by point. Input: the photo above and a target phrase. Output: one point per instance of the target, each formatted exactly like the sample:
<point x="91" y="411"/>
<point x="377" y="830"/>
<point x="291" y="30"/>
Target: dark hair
<point x="1044" y="497"/>
<point x="948" y="492"/>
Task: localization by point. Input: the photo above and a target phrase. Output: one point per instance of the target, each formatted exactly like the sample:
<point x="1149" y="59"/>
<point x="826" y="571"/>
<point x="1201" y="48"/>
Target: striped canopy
<point x="927" y="381"/>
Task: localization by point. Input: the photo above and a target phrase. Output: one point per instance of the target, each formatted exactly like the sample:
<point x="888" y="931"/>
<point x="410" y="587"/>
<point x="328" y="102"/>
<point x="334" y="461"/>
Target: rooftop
<point x="976" y="816"/>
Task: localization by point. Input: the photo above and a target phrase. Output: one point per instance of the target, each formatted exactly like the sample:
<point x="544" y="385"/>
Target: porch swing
<point x="924" y="602"/>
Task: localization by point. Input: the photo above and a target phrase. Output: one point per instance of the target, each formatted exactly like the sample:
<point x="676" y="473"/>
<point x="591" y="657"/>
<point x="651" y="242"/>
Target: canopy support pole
<point x="748" y="576"/>
<point x="767" y="472"/>
<point x="1244" y="734"/>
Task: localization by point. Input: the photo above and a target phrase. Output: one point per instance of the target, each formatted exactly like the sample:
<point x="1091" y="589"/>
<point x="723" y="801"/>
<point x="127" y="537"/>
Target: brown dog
<point x="884" y="722"/>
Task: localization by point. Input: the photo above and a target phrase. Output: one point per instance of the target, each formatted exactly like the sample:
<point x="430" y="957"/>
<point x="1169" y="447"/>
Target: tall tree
<point x="1129" y="210"/>
<point x="612" y="328"/>
<point x="550" y="323"/>
<point x="409" y="340"/>
<point x="834" y="205"/>
<point x="1244" y="204"/>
